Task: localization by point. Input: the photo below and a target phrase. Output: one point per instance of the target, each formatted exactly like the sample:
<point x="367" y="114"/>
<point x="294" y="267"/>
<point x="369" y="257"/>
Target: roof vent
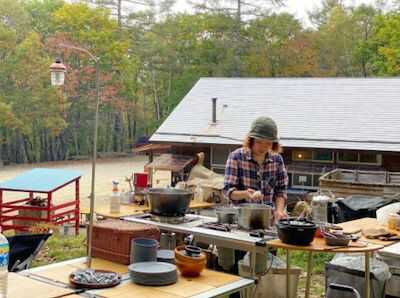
<point x="214" y="110"/>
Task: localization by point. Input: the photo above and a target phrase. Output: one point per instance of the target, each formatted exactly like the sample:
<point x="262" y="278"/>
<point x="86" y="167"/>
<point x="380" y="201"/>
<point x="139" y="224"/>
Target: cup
<point x="143" y="250"/>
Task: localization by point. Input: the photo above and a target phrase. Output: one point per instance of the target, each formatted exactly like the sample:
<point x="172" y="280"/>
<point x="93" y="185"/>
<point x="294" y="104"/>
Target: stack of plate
<point x="165" y="255"/>
<point x="153" y="273"/>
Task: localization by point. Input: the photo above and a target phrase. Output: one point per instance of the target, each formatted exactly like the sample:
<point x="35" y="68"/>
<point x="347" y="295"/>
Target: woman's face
<point x="261" y="147"/>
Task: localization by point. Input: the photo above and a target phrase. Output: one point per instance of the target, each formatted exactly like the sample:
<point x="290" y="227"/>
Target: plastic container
<point x="115" y="199"/>
<point x="4" y="255"/>
<point x="112" y="239"/>
<point x="319" y="206"/>
<point x="140" y="180"/>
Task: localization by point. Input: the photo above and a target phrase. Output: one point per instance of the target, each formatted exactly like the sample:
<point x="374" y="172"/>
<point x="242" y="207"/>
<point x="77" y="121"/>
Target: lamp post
<point x="58" y="70"/>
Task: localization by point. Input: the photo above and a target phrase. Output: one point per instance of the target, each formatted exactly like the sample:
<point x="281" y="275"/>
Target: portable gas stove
<point x="173" y="220"/>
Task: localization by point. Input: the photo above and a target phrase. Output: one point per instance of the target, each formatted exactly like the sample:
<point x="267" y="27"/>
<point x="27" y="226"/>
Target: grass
<point x="299" y="259"/>
<point x="60" y="248"/>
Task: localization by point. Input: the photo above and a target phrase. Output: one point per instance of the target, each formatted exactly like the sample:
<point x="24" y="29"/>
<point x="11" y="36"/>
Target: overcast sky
<point x="296" y="7"/>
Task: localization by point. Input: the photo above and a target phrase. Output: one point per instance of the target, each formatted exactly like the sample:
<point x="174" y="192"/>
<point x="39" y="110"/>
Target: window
<point x="368" y="157"/>
<point x="310" y="155"/>
<point x="316" y="180"/>
<point x="322" y="155"/>
<point x="302" y="180"/>
<point x="300" y="155"/>
<point x="361" y="158"/>
<point x="348" y="156"/>
<point x="219" y="155"/>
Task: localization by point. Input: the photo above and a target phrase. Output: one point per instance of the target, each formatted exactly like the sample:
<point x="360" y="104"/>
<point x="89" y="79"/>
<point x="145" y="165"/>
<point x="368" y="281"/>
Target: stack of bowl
<point x="190" y="260"/>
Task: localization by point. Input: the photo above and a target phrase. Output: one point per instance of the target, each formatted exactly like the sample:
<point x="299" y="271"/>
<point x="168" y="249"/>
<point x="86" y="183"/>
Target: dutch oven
<point x="169" y="201"/>
<point x="296" y="232"/>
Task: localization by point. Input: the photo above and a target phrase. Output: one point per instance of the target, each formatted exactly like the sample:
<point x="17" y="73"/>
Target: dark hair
<point x="249" y="142"/>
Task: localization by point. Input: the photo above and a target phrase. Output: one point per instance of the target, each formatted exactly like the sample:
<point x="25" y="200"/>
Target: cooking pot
<point x="227" y="215"/>
<point x="255" y="216"/>
<point x="168" y="201"/>
<point x="296" y="232"/>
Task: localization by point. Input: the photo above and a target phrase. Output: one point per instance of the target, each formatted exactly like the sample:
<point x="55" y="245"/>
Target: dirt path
<point x="107" y="170"/>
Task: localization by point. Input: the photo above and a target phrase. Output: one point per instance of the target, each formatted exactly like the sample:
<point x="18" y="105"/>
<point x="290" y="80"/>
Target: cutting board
<point x="365" y="223"/>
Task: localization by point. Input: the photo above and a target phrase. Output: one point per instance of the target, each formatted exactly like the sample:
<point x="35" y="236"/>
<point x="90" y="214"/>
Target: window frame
<point x="313" y="151"/>
<point x="313" y="187"/>
<point x="358" y="162"/>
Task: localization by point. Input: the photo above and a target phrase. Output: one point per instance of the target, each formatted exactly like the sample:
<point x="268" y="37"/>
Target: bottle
<point x="4" y="252"/>
<point x="115" y="200"/>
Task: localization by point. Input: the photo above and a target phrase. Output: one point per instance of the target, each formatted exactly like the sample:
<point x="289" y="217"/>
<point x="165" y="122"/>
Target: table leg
<point x="253" y="264"/>
<point x="1" y="209"/>
<point x="367" y="291"/>
<point x="77" y="207"/>
<point x="309" y="274"/>
<point x="287" y="274"/>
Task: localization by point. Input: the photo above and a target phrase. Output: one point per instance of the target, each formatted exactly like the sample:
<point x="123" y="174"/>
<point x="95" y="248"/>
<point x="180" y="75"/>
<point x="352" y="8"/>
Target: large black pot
<point x="296" y="232"/>
<point x="169" y="201"/>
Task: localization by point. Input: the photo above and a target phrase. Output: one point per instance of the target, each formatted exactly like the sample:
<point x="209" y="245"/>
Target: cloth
<point x="243" y="172"/>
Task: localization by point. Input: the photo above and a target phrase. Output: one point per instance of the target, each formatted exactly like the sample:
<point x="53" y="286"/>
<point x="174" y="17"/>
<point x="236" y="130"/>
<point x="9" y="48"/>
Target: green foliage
<point x="60" y="248"/>
<point x="151" y="58"/>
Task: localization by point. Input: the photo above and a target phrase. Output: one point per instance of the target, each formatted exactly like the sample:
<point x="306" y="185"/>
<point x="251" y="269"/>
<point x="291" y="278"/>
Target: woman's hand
<point x="254" y="195"/>
<point x="279" y="214"/>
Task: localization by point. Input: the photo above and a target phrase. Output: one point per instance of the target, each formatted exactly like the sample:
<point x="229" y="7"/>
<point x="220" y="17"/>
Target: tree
<point x="387" y="41"/>
<point x="240" y="11"/>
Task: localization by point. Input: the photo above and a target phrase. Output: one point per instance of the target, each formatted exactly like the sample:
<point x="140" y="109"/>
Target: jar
<point x="393" y="221"/>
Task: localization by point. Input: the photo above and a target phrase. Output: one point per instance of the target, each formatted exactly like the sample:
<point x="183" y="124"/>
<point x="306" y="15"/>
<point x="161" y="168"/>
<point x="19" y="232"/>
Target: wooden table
<point x="24" y="287"/>
<point x="318" y="245"/>
<point x="209" y="284"/>
<point x="133" y="209"/>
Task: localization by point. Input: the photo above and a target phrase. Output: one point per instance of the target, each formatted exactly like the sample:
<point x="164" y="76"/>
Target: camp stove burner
<point x="173" y="220"/>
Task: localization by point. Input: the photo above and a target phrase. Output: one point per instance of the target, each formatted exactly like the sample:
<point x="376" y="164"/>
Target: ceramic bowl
<point x="189" y="266"/>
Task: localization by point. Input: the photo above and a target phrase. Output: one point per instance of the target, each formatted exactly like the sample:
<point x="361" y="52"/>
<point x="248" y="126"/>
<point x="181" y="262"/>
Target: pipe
<point x="214" y="110"/>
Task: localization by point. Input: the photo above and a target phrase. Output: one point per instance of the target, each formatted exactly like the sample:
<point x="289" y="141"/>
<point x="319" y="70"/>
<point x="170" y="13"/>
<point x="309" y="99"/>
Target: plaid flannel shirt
<point x="243" y="172"/>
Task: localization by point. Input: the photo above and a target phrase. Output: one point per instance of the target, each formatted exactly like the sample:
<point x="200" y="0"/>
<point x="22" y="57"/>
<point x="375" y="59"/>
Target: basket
<point x="112" y="239"/>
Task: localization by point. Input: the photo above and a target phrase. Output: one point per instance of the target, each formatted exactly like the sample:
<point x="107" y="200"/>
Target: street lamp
<point x="58" y="70"/>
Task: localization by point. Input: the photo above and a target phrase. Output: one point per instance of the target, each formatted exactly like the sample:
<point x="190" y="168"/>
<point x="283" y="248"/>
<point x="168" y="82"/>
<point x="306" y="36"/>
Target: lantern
<point x="57" y="70"/>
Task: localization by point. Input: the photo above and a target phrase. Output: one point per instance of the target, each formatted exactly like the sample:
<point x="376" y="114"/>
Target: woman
<point x="256" y="172"/>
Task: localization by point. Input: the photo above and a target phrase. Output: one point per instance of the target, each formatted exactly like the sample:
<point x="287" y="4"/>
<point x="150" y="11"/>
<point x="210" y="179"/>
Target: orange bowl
<point x="187" y="265"/>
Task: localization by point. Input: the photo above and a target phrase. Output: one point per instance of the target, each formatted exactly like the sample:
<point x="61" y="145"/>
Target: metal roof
<point x="336" y="113"/>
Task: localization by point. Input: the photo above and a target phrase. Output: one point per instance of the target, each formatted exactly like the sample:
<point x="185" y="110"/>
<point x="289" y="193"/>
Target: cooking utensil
<point x="336" y="240"/>
<point x="166" y="255"/>
<point x="168" y="241"/>
<point x="153" y="273"/>
<point x="189" y="265"/>
<point x="94" y="279"/>
<point x="169" y="201"/>
<point x="296" y="232"/>
<point x="192" y="251"/>
<point x="255" y="216"/>
<point x="144" y="250"/>
<point x="227" y="215"/>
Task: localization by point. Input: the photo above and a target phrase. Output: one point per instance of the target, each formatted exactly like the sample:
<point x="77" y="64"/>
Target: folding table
<point x="43" y="181"/>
